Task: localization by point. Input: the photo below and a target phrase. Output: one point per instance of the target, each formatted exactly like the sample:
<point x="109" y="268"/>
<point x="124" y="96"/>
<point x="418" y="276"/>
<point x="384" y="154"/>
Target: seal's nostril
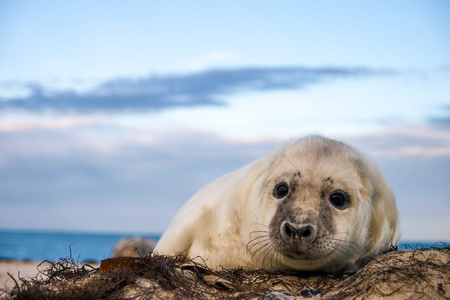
<point x="305" y="231"/>
<point x="290" y="232"/>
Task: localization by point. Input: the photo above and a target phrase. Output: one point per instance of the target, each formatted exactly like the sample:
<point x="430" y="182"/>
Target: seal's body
<point x="315" y="204"/>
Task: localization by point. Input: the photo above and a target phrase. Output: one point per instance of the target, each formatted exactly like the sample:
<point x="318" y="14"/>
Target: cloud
<point x="146" y="181"/>
<point x="442" y="121"/>
<point x="425" y="139"/>
<point x="11" y="124"/>
<point x="138" y="181"/>
<point x="189" y="90"/>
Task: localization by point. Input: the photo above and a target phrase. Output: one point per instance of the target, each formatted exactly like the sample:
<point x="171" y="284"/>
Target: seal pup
<point x="316" y="204"/>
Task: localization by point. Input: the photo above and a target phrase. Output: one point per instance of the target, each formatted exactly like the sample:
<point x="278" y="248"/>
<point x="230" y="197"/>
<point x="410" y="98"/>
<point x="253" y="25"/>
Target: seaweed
<point x="415" y="273"/>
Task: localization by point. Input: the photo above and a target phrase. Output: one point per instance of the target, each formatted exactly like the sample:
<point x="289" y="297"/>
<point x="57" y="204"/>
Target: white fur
<point x="217" y="224"/>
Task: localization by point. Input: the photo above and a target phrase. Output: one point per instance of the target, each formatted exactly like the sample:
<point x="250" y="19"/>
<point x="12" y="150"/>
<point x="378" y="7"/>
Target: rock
<point x="133" y="247"/>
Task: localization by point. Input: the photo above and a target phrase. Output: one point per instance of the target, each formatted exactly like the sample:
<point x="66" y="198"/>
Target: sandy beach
<point x="23" y="269"/>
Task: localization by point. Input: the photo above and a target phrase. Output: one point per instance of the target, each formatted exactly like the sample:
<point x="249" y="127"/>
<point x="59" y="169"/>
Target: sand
<point x="23" y="269"/>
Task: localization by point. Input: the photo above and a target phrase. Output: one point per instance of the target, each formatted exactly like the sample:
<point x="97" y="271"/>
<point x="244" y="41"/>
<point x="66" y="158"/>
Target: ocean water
<point x="90" y="247"/>
<point x="39" y="246"/>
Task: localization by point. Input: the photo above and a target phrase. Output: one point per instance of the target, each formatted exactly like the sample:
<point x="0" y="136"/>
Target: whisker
<point x="267" y="247"/>
<point x="272" y="260"/>
<point x="255" y="255"/>
<point x="347" y="252"/>
<point x="354" y="244"/>
<point x="262" y="225"/>
<point x="292" y="164"/>
<point x="259" y="231"/>
<point x="255" y="244"/>
<point x="284" y="167"/>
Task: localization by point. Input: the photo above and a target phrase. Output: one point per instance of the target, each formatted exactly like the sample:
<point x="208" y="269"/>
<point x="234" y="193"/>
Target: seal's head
<point x="322" y="206"/>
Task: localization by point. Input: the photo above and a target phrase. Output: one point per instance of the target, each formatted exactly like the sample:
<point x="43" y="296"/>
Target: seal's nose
<point x="301" y="232"/>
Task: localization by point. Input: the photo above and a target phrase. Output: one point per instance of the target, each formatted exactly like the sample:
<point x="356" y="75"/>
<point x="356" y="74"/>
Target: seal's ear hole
<point x="281" y="190"/>
<point x="340" y="199"/>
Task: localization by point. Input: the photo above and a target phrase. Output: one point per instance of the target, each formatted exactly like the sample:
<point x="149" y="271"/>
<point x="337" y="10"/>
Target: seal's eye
<point x="340" y="199"/>
<point x="281" y="190"/>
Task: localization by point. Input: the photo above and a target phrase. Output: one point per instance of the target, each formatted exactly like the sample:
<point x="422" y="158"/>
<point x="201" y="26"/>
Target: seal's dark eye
<point x="281" y="190"/>
<point x="340" y="199"/>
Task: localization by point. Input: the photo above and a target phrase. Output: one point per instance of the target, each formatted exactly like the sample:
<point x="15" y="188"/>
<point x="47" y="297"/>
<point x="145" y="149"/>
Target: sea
<point x="46" y="245"/>
<point x="95" y="247"/>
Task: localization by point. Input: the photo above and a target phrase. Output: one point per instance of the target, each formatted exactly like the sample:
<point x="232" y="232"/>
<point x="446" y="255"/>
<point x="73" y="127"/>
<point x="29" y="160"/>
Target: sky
<point x="114" y="113"/>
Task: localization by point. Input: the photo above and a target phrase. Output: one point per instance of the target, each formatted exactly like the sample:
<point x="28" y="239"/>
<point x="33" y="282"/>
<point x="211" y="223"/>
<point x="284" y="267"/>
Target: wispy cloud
<point x="427" y="140"/>
<point x="188" y="90"/>
<point x="442" y="121"/>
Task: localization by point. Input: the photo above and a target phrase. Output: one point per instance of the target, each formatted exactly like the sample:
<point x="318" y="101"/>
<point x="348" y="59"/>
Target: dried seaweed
<point x="417" y="273"/>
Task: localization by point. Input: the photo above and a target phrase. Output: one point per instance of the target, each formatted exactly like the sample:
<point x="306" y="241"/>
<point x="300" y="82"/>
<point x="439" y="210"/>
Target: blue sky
<point x="115" y="113"/>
